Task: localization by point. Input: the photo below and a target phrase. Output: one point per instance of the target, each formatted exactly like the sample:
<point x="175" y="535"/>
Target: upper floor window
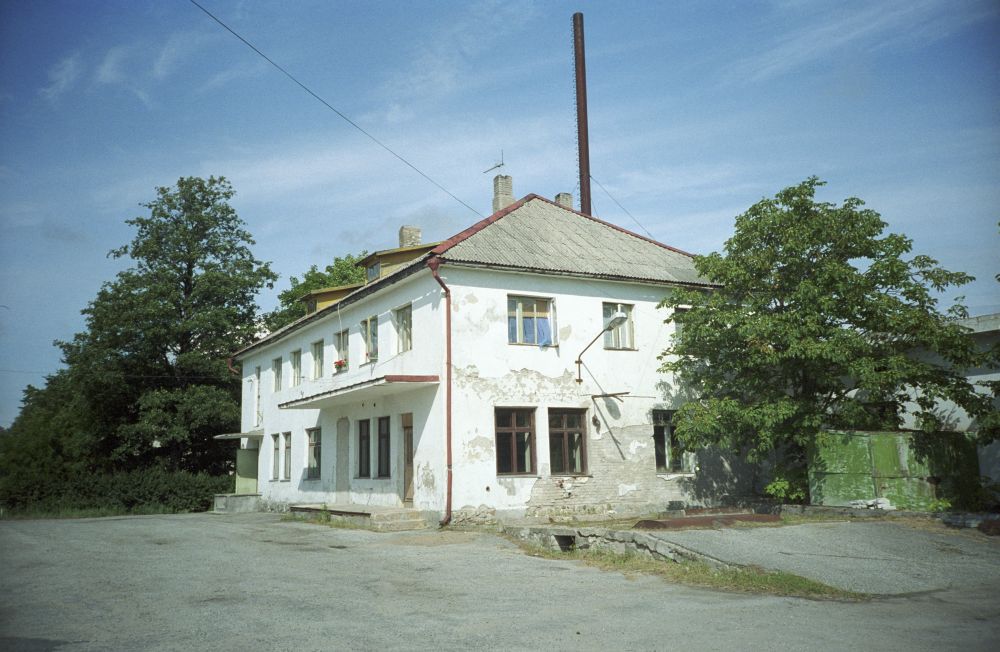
<point x="369" y="332"/>
<point x="340" y="341"/>
<point x="317" y="356"/>
<point x="515" y="441"/>
<point x="404" y="328"/>
<point x="276" y="372"/>
<point x="296" y="367"/>
<point x="256" y="396"/>
<point x="529" y="321"/>
<point x="623" y="335"/>
<point x="373" y="271"/>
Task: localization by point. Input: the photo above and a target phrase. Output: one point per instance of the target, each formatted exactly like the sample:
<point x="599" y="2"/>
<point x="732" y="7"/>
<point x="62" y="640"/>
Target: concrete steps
<point x="380" y="519"/>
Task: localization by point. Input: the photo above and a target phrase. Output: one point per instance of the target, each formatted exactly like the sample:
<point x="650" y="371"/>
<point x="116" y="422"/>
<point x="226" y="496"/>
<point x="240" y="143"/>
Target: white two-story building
<point x="509" y="370"/>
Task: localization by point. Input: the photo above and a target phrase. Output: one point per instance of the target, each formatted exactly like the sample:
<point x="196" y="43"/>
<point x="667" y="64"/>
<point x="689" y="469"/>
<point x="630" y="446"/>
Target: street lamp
<point x="617" y="319"/>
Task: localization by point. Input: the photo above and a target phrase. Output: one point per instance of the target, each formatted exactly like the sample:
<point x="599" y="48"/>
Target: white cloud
<point x="829" y="33"/>
<point x="110" y="69"/>
<point x="177" y="48"/>
<point x="62" y="76"/>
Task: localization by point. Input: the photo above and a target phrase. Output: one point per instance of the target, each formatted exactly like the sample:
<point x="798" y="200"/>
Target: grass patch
<point x="749" y="579"/>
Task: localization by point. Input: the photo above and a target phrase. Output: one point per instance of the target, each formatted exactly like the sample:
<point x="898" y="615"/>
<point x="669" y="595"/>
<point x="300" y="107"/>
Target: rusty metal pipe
<point x="582" y="135"/>
<point x="433" y="264"/>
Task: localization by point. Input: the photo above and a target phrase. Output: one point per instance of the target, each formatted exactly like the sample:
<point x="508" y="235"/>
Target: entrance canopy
<point x="251" y="434"/>
<point x="368" y="389"/>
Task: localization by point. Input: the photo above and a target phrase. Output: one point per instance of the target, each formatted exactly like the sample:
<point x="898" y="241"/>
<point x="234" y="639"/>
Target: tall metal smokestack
<point x="582" y="137"/>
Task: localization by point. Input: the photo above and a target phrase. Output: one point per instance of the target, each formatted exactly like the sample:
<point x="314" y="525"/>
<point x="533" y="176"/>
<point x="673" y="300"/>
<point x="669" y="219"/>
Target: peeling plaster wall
<point x="489" y="373"/>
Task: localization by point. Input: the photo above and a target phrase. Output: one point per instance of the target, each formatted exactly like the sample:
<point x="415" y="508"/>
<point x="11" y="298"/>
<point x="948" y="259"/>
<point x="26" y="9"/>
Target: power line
<point x="622" y="207"/>
<point x="329" y="106"/>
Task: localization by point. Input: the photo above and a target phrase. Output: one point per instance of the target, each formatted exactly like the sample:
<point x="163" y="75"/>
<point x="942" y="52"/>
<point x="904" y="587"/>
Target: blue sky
<point x="697" y="110"/>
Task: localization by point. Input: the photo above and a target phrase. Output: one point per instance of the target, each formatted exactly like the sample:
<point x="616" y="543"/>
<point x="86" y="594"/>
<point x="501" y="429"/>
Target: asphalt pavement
<point x="879" y="557"/>
<point x="257" y="582"/>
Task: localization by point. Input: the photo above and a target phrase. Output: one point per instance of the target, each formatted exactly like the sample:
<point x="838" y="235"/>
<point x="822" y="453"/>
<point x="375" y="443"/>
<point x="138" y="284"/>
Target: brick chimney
<point x="503" y="192"/>
<point x="409" y="236"/>
<point x="565" y="200"/>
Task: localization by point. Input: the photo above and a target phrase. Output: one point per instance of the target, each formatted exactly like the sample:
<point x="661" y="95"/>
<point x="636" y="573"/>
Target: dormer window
<point x="373" y="271"/>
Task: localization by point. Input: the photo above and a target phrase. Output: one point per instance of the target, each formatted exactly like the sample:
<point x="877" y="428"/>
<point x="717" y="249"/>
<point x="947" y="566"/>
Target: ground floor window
<point x="383" y="447"/>
<point x="288" y="456"/>
<point x="315" y="436"/>
<point x="515" y="440"/>
<point x="567" y="441"/>
<point x="670" y="454"/>
<point x="364" y="448"/>
<point x="275" y="457"/>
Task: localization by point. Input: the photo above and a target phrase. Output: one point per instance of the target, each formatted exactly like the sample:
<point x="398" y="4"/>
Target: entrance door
<point x="246" y="470"/>
<point x="407" y="459"/>
<point x="342" y="478"/>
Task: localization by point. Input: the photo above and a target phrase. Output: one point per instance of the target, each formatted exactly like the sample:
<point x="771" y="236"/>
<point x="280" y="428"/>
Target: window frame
<point x="317" y="358"/>
<point x="369" y="333"/>
<point x="403" y="318"/>
<point x="666" y="448"/>
<point x="314" y="460"/>
<point x="519" y="316"/>
<point x="373" y="271"/>
<point x="342" y="342"/>
<point x="364" y="456"/>
<point x="288" y="456"/>
<point x="276" y="365"/>
<point x="614" y="340"/>
<point x="512" y="431"/>
<point x="275" y="455"/>
<point x="295" y="359"/>
<point x="257" y="416"/>
<point x="564" y="433"/>
<point x="383" y="449"/>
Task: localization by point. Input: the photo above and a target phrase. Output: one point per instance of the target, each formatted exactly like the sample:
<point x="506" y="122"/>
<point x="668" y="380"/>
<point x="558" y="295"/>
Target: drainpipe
<point x="433" y="264"/>
<point x="233" y="370"/>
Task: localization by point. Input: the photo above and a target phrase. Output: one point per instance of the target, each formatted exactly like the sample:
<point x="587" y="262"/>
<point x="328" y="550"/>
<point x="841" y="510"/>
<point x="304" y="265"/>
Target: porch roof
<point x="251" y="434"/>
<point x="373" y="388"/>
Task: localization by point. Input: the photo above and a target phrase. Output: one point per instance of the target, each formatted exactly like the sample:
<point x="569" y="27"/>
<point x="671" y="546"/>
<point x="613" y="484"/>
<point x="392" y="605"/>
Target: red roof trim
<point x="482" y="224"/>
<point x="411" y="379"/>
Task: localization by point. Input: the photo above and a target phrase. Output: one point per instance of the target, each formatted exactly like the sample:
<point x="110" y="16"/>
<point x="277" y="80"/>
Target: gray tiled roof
<point x="541" y="235"/>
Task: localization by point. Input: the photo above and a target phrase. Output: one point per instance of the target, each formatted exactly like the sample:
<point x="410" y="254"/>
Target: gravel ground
<point x="252" y="581"/>
<point x="879" y="557"/>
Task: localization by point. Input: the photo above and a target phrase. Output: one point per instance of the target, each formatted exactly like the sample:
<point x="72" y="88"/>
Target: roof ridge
<point x="460" y="237"/>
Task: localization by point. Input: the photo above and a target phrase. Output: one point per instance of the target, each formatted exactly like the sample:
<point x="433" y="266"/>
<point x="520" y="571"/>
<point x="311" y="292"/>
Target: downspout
<point x="433" y="264"/>
<point x="233" y="370"/>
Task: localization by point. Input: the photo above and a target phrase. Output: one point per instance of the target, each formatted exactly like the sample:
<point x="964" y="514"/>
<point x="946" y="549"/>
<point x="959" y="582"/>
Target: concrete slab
<point x="878" y="557"/>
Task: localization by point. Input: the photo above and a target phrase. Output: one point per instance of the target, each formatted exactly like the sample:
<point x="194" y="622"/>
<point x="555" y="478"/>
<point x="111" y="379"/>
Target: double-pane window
<point x="369" y="331"/>
<point x="288" y="456"/>
<point x="276" y="372"/>
<point x="296" y="367"/>
<point x="315" y="436"/>
<point x="529" y="321"/>
<point x="364" y="448"/>
<point x="341" y="342"/>
<point x="275" y="456"/>
<point x="404" y="328"/>
<point x="317" y="356"/>
<point x="567" y="441"/>
<point x="383" y="447"/>
<point x="623" y="335"/>
<point x="515" y="440"/>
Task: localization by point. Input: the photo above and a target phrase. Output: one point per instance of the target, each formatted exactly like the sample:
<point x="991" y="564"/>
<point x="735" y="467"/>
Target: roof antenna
<point x="497" y="166"/>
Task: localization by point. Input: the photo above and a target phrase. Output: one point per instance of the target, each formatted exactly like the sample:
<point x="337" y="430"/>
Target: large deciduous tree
<point x="152" y="362"/>
<point x="822" y="320"/>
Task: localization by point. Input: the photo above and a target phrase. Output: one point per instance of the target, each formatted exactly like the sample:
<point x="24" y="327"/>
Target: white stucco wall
<point x="425" y="403"/>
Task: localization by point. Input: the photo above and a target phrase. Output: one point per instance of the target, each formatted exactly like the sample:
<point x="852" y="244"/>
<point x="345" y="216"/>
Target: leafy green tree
<point x="343" y="271"/>
<point x="821" y="321"/>
<point x="152" y="362"/>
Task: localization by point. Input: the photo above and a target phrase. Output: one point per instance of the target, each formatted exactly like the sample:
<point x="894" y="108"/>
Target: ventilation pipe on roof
<point x="565" y="200"/>
<point x="503" y="192"/>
